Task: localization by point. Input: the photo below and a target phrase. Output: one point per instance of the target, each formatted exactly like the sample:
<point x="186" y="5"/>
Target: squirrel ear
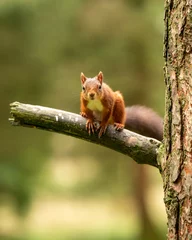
<point x="83" y="78"/>
<point x="100" y="77"/>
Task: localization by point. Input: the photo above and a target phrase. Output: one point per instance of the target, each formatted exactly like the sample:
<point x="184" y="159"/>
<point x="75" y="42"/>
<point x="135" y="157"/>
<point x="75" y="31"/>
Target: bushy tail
<point x="144" y="121"/>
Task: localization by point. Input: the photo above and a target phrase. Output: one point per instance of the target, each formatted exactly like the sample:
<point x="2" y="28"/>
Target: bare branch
<point x="142" y="149"/>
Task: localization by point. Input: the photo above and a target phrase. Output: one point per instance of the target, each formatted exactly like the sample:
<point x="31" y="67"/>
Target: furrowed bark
<point x="142" y="149"/>
<point x="177" y="159"/>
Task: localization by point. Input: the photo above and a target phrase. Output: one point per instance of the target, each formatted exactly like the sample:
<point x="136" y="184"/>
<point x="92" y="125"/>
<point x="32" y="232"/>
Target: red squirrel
<point x="99" y="103"/>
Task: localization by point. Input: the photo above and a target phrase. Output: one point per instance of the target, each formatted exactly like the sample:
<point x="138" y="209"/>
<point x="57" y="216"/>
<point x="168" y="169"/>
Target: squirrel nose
<point x="92" y="95"/>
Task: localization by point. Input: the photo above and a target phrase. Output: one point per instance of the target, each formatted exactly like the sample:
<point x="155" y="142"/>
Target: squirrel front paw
<point x="102" y="129"/>
<point x="118" y="126"/>
<point x="90" y="126"/>
<point x="83" y="114"/>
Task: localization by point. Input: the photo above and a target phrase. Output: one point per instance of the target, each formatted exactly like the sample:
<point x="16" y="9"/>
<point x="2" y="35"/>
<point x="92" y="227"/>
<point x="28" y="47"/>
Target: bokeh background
<point x="56" y="187"/>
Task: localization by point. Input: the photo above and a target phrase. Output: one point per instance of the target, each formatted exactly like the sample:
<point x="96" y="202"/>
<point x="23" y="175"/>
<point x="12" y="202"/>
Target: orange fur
<point x="99" y="103"/>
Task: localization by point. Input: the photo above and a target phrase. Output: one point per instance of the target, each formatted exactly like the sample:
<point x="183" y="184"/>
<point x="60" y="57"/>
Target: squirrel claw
<point x="118" y="126"/>
<point x="102" y="130"/>
<point x="90" y="126"/>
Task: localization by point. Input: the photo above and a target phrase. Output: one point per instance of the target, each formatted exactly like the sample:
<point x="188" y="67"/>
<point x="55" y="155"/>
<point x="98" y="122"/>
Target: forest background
<point x="53" y="186"/>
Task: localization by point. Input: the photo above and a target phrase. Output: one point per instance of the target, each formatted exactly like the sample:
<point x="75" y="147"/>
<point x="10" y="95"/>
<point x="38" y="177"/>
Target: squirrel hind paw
<point x="119" y="126"/>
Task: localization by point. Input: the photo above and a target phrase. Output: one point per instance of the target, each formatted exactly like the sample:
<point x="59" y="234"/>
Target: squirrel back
<point x="144" y="121"/>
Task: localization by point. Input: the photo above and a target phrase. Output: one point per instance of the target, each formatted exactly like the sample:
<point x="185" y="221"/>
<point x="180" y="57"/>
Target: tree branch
<point x="142" y="149"/>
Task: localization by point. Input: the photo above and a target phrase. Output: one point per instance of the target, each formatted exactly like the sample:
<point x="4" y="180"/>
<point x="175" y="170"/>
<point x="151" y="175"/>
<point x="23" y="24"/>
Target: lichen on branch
<point x="141" y="149"/>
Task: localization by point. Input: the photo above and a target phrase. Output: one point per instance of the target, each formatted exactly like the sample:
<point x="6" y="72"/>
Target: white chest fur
<point x="95" y="105"/>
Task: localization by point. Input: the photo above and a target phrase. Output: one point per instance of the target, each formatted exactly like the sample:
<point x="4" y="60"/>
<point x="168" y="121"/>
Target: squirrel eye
<point x="99" y="87"/>
<point x="83" y="88"/>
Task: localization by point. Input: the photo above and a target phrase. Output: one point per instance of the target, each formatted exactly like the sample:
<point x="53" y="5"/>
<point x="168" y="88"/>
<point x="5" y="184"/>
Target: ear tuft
<point x="100" y="77"/>
<point x="83" y="78"/>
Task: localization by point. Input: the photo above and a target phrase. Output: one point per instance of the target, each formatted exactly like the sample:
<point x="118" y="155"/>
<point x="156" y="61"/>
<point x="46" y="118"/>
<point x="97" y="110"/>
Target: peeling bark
<point x="177" y="159"/>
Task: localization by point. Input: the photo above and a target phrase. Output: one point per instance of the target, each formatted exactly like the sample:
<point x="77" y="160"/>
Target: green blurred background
<point x="56" y="187"/>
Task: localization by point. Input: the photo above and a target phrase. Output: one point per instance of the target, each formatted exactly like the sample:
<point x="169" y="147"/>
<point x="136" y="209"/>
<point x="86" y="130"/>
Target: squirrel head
<point x="92" y="87"/>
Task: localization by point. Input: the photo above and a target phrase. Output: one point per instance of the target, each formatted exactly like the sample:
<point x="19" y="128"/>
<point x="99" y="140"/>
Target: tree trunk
<point x="177" y="159"/>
